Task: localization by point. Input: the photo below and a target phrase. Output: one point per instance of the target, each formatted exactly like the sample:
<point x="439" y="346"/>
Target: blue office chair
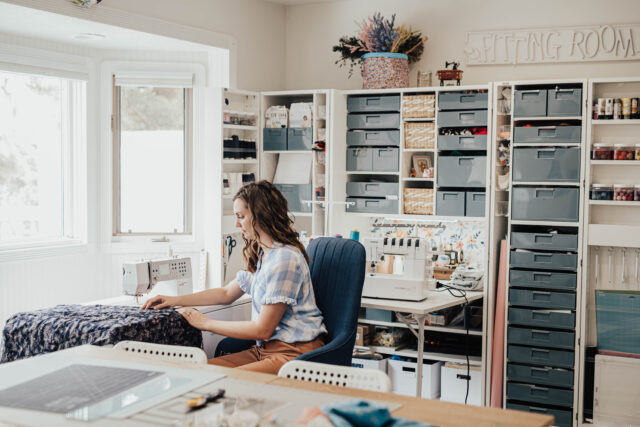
<point x="337" y="273"/>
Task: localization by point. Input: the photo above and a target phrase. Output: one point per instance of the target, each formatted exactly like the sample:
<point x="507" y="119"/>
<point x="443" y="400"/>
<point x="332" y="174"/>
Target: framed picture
<point x="423" y="166"/>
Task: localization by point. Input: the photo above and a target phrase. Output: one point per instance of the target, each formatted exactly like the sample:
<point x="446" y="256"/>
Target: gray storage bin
<point x="462" y="171"/>
<point x="551" y="164"/>
<point x="450" y="203"/>
<point x="373" y="121"/>
<point x="538" y="394"/>
<point x="274" y="139"/>
<point x="372" y="205"/>
<point x="456" y="119"/>
<point x="545" y="204"/>
<point x="463" y="101"/>
<point x="540" y="375"/>
<point x="462" y="142"/>
<point x="373" y="138"/>
<point x="475" y="203"/>
<point x="530" y="103"/>
<point x="541" y="318"/>
<point x="378" y="314"/>
<point x="299" y="138"/>
<point x="561" y="418"/>
<point x="544" y="260"/>
<point x="553" y="134"/>
<point x="540" y="356"/>
<point x="386" y="159"/>
<point x="373" y="189"/>
<point x="543" y="280"/>
<point x="564" y="102"/>
<point x="374" y="103"/>
<point x="359" y="159"/>
<point x="542" y="299"/>
<point x="544" y="241"/>
<point x="296" y="194"/>
<point x="541" y="338"/>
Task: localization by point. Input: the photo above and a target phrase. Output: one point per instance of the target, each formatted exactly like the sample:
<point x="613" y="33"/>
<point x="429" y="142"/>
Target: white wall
<point x="312" y="30"/>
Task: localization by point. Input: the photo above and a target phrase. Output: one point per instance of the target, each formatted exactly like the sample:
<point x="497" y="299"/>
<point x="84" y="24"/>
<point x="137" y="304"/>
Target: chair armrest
<point x="338" y="351"/>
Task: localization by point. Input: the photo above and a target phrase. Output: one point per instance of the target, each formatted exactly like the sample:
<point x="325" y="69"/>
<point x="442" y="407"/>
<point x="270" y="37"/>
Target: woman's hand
<point x="195" y="318"/>
<point x="160" y="301"/>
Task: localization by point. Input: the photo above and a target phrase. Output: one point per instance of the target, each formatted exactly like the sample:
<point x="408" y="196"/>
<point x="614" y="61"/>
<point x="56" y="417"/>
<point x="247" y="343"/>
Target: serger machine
<point x="167" y="276"/>
<point x="408" y="277"/>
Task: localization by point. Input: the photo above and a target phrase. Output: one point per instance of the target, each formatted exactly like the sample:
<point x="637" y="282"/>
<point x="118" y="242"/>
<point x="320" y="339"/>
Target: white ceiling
<point x="300" y="2"/>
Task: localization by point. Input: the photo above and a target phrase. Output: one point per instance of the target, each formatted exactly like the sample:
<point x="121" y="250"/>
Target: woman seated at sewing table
<point x="285" y="320"/>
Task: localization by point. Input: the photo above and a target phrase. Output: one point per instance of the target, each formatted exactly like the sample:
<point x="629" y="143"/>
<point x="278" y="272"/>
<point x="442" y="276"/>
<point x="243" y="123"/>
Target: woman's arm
<point x="261" y="329"/>
<point x="224" y="295"/>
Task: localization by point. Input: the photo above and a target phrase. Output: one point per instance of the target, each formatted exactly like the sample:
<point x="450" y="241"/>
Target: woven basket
<point x="385" y="70"/>
<point x="419" y="106"/>
<point x="418" y="201"/>
<point x="419" y="135"/>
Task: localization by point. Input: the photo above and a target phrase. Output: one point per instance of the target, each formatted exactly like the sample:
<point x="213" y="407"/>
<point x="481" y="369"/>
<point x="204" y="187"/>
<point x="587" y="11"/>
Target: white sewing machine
<point x="167" y="276"/>
<point x="409" y="280"/>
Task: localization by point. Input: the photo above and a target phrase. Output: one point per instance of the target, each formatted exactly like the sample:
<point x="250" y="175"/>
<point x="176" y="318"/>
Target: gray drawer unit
<point x="372" y="138"/>
<point x="541" y="318"/>
<point x="541" y="338"/>
<point x="543" y="260"/>
<point x="545" y="204"/>
<point x="564" y="102"/>
<point x="540" y="356"/>
<point x="373" y="103"/>
<point x="450" y="203"/>
<point x="530" y="103"/>
<point x="373" y="189"/>
<point x="462" y="171"/>
<point x="299" y="138"/>
<point x="552" y="134"/>
<point x="386" y="159"/>
<point x="274" y="139"/>
<point x="538" y="394"/>
<point x="296" y="195"/>
<point x="544" y="241"/>
<point x="540" y="375"/>
<point x="359" y="159"/>
<point x="542" y="299"/>
<point x="372" y="205"/>
<point x="462" y="142"/>
<point x="552" y="164"/>
<point x="373" y="121"/>
<point x="462" y="101"/>
<point x="561" y="418"/>
<point x="457" y="119"/>
<point x="475" y="203"/>
<point x="543" y="280"/>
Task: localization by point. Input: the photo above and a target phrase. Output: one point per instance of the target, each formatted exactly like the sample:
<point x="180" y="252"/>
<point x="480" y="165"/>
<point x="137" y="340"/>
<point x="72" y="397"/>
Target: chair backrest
<point x="337" y="274"/>
<point x="345" y="376"/>
<point x="172" y="353"/>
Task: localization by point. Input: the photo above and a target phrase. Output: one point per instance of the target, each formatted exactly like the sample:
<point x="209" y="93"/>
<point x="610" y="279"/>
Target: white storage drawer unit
<point x="403" y="377"/>
<point x="454" y="384"/>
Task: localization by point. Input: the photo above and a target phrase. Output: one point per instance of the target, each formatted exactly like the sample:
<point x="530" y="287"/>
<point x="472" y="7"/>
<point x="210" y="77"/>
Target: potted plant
<point x="384" y="51"/>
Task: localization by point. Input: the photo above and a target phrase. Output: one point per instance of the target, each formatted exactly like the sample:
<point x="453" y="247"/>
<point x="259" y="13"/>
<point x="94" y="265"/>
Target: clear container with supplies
<point x="623" y="192"/>
<point x="624" y="152"/>
<point x="601" y="152"/>
<point x="636" y="193"/>
<point x="601" y="192"/>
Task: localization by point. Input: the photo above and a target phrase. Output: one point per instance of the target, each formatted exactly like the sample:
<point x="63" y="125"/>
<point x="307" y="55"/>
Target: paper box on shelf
<point x="301" y="115"/>
<point x="277" y="116"/>
<point x="363" y="334"/>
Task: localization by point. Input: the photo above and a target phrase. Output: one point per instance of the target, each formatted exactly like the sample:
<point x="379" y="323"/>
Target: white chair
<point x="345" y="376"/>
<point x="171" y="353"/>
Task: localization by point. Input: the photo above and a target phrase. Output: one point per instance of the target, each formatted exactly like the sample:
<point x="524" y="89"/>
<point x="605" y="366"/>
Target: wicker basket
<point x="418" y="201"/>
<point x="419" y="106"/>
<point x="419" y="135"/>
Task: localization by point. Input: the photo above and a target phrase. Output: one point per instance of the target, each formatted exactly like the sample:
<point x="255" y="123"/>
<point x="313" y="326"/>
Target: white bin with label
<point x="380" y="365"/>
<point x="454" y="384"/>
<point x="404" y="375"/>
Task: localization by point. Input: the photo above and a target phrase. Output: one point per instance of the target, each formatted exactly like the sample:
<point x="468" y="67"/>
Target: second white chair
<point x="344" y="376"/>
<point x="166" y="352"/>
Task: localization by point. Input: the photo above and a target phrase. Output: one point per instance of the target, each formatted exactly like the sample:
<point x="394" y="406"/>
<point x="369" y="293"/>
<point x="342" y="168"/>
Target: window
<point x="42" y="121"/>
<point x="152" y="130"/>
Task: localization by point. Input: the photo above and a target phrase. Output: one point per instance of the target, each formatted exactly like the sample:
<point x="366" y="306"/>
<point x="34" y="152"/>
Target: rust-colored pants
<point x="269" y="357"/>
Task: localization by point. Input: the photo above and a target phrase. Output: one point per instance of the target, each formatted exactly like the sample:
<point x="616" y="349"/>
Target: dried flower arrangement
<point x="377" y="34"/>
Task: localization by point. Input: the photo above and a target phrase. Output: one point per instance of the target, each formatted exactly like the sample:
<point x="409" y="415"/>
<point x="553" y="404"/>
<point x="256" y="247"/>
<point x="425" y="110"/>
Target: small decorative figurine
<point x="452" y="74"/>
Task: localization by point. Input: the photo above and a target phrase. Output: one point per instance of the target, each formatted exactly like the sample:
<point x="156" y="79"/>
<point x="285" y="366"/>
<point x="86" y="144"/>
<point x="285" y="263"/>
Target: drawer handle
<point x="558" y="90"/>
<point x="530" y="92"/>
<point x="371" y="136"/>
<point x="539" y="391"/>
<point x="467" y="98"/>
<point x="543" y="238"/>
<point x="373" y="101"/>
<point x="465" y="161"/>
<point x="372" y="119"/>
<point x="466" y="140"/>
<point x="463" y="377"/>
<point x="540" y="296"/>
<point x="408" y="369"/>
<point x="539" y="410"/>
<point x="546" y="154"/>
<point x="368" y="203"/>
<point x="540" y="372"/>
<point x="382" y="150"/>
<point x="543" y="335"/>
<point x="477" y="197"/>
<point x="544" y="193"/>
<point x="547" y="132"/>
<point x="450" y="196"/>
<point x="369" y="187"/>
<point x="466" y="116"/>
<point x="540" y="315"/>
<point x="542" y="258"/>
<point x="541" y="354"/>
<point x="542" y="277"/>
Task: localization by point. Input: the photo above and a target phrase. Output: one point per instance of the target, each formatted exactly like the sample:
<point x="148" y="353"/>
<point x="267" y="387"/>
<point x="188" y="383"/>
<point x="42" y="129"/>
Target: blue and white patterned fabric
<point x="282" y="276"/>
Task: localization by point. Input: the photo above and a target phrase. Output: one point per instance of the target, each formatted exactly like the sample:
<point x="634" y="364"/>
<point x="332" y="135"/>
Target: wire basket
<point x="418" y="201"/>
<point x="419" y="135"/>
<point x="419" y="106"/>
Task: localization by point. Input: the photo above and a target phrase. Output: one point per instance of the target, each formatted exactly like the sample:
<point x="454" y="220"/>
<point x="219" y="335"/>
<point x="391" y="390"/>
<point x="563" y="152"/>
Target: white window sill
<point x="70" y="247"/>
<point x="147" y="247"/>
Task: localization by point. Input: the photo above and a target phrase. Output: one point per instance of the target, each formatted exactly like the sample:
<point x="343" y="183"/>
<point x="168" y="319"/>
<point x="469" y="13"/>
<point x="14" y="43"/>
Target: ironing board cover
<point x="42" y="331"/>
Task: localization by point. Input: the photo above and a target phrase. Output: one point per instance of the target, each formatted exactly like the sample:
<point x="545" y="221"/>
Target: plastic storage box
<point x="602" y="152"/>
<point x="373" y="121"/>
<point x="543" y="279"/>
<point x="274" y="139"/>
<point x="544" y="241"/>
<point x="462" y="142"/>
<point x="564" y="102"/>
<point x="475" y="203"/>
<point x="299" y="138"/>
<point x="551" y="134"/>
<point x="540" y="356"/>
<point x="296" y="195"/>
<point x="373" y="189"/>
<point x="462" y="101"/>
<point x="462" y="171"/>
<point x="552" y="164"/>
<point x="372" y="205"/>
<point x="543" y="260"/>
<point x="454" y="384"/>
<point x="622" y="192"/>
<point x="403" y="376"/>
<point x="542" y="338"/>
<point x="545" y="204"/>
<point x="450" y="203"/>
<point x="373" y="138"/>
<point x="601" y="192"/>
<point x="562" y="417"/>
<point x="624" y="152"/>
<point x="469" y="118"/>
<point x="541" y="318"/>
<point x="530" y="103"/>
<point x="380" y="365"/>
<point x="540" y="375"/>
<point x="376" y="103"/>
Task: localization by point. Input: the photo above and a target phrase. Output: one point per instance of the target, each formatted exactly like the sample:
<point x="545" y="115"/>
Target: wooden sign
<point x="571" y="44"/>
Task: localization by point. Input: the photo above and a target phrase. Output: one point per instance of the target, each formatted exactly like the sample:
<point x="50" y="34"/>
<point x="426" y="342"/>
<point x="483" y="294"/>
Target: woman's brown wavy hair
<point x="270" y="211"/>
